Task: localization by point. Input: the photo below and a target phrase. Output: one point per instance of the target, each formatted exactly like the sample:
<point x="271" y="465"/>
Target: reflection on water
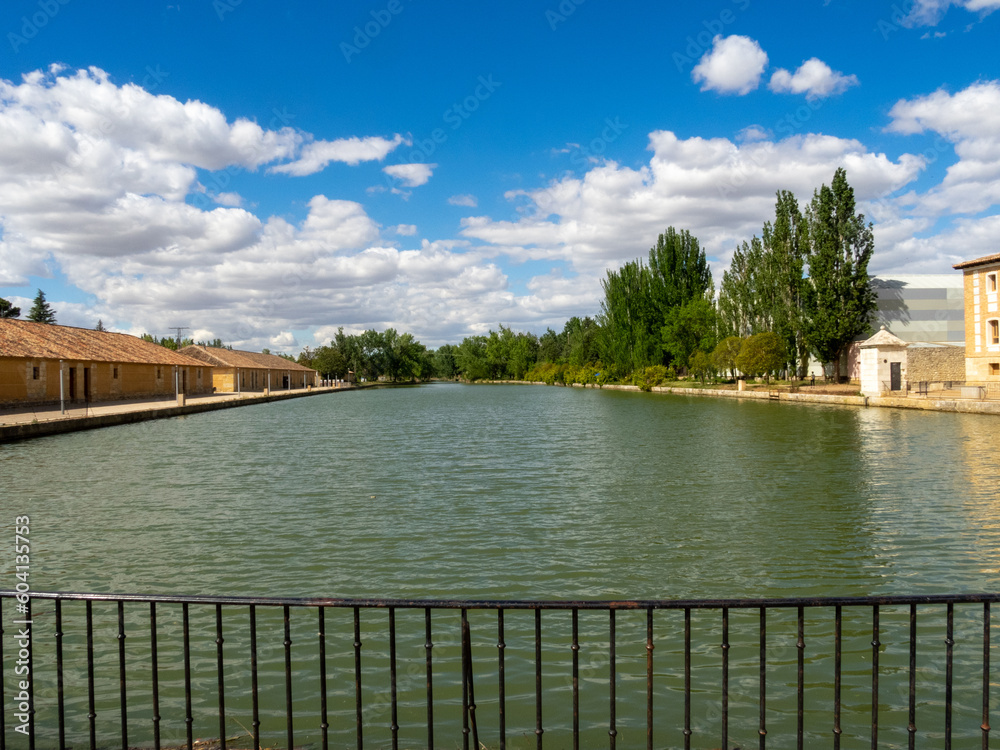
<point x="516" y="492"/>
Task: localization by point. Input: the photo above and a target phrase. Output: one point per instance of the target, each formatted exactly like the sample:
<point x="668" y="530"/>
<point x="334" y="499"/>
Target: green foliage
<point x="41" y="311"/>
<point x="552" y="373"/>
<point x="839" y="299"/>
<point x="100" y="325"/>
<point x="762" y="354"/>
<point x="550" y="346"/>
<point x="444" y="362"/>
<point x="470" y="358"/>
<point x="330" y="362"/>
<point x="725" y="354"/>
<point x="689" y="327"/>
<point x="650" y="377"/>
<point x="701" y="365"/>
<point x="7" y="310"/>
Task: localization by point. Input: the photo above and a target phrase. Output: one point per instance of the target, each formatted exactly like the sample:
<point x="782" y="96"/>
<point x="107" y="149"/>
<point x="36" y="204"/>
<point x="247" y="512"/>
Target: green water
<point x="504" y="492"/>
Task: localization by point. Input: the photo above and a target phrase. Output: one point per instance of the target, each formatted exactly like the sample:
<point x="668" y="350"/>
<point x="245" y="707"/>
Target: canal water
<point x="511" y="492"/>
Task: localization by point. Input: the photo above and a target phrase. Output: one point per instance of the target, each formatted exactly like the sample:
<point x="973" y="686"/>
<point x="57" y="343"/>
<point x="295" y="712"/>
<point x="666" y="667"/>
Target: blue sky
<point x="265" y="172"/>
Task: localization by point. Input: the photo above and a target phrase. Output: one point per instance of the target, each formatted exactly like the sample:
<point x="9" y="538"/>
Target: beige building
<point x="982" y="319"/>
<point x="235" y="371"/>
<point x="44" y="363"/>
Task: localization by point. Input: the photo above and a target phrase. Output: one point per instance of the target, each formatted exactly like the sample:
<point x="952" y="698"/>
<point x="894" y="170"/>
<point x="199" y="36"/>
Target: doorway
<point x="895" y="376"/>
<point x="72" y="383"/>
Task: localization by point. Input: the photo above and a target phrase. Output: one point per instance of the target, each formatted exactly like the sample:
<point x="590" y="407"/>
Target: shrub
<point x="650" y="377"/>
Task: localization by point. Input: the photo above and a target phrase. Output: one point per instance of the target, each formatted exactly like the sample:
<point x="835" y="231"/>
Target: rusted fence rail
<point x="102" y="671"/>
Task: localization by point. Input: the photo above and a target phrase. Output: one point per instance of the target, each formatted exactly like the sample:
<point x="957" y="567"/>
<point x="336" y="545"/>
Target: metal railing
<point x="156" y="671"/>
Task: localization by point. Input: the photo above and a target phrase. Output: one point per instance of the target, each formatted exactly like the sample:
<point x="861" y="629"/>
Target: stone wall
<point x="935" y="363"/>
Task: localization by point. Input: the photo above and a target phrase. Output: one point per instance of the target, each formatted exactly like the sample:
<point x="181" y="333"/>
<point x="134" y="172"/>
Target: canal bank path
<point x="24" y="422"/>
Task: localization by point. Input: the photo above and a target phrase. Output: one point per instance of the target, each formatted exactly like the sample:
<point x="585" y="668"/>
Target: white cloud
<point x="405" y="230"/>
<point x="969" y="120"/>
<point x="463" y="200"/>
<point x="734" y="65"/>
<point x="814" y="78"/>
<point x="411" y="175"/>
<point x="318" y="154"/>
<point x="930" y="12"/>
<point x="719" y="190"/>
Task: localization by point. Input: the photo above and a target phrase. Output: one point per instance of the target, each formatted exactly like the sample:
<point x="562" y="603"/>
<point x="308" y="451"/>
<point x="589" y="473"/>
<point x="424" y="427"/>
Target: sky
<point x="266" y="172"/>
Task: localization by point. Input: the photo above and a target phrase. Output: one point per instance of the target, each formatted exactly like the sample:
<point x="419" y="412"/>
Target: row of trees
<point x="372" y="355"/>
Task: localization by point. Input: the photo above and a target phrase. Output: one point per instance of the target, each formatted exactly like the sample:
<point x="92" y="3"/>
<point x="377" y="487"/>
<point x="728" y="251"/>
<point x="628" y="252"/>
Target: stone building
<point x="235" y="371"/>
<point x="883" y="364"/>
<point x="982" y="319"/>
<point x="44" y="363"/>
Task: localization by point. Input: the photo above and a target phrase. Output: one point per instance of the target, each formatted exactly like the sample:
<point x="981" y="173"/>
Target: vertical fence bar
<point x="31" y="684"/>
<point x="800" y="645"/>
<point x="575" y="648"/>
<point x="502" y="678"/>
<point x="875" y="653"/>
<point x="3" y="702"/>
<point x="538" y="679"/>
<point x="288" y="678"/>
<point x="725" y="677"/>
<point x="254" y="694"/>
<point x="121" y="673"/>
<point x="222" y="676"/>
<point x="687" y="678"/>
<point x="324" y="724"/>
<point x="92" y="712"/>
<point x="985" y="726"/>
<point x="465" y="686"/>
<point x="393" y="708"/>
<point x="357" y="677"/>
<point x="911" y="726"/>
<point x="949" y="674"/>
<point x="471" y="681"/>
<point x="762" y="730"/>
<point x="649" y="679"/>
<point x="60" y="686"/>
<point x="612" y="731"/>
<point x="154" y="674"/>
<point x="837" y="638"/>
<point x="428" y="645"/>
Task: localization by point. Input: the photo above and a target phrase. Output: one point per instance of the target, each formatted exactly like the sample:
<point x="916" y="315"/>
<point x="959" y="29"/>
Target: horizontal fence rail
<point x="131" y="671"/>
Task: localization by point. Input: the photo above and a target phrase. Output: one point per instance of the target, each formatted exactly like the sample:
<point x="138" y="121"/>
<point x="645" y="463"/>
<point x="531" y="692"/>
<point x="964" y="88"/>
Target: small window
<point x="199" y="373"/>
<point x="991" y="282"/>
<point x="994" y="368"/>
<point x="158" y="375"/>
<point x="34" y="373"/>
<point x="993" y="327"/>
<point x="114" y="373"/>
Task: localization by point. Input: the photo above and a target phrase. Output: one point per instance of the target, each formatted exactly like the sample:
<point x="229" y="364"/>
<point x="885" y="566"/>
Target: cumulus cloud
<point x="411" y="175"/>
<point x="463" y="200"/>
<point x="405" y="230"/>
<point x="718" y="189"/>
<point x="317" y="155"/>
<point x="734" y="65"/>
<point x="968" y="121"/>
<point x="814" y="78"/>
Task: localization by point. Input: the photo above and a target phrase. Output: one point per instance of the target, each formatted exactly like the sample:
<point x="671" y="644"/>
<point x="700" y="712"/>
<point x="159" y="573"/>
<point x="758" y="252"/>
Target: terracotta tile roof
<point x="23" y="338"/>
<point x="978" y="261"/>
<point x="219" y="357"/>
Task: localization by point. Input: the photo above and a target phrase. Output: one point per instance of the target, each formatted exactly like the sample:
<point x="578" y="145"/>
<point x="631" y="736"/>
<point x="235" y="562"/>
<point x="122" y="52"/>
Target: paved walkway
<point x="77" y="410"/>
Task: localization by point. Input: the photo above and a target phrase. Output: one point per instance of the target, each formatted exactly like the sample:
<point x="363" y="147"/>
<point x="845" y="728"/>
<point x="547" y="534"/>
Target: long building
<point x="235" y="371"/>
<point x="46" y="363"/>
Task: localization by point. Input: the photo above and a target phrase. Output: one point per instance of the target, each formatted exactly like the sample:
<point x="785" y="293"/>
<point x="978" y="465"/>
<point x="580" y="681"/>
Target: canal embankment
<point x="803" y="394"/>
<point x="41" y="421"/>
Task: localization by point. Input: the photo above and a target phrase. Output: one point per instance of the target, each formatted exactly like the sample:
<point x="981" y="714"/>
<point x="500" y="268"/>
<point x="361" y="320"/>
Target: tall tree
<point x="741" y="310"/>
<point x="628" y="340"/>
<point x="7" y="310"/>
<point x="41" y="311"/>
<point x="839" y="300"/>
<point x="678" y="269"/>
<point x="786" y="243"/>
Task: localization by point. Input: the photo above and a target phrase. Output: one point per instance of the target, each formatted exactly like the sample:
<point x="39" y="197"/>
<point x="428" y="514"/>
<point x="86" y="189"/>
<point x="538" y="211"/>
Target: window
<point x="34" y="373"/>
<point x="114" y="373"/>
<point x="158" y="375"/>
<point x="991" y="282"/>
<point x="993" y="332"/>
<point x="199" y="373"/>
<point x="994" y="368"/>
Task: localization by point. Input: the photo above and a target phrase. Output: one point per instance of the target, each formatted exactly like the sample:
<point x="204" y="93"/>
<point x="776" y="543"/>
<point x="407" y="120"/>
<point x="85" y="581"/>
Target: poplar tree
<point x="839" y="300"/>
<point x="41" y="311"/>
<point x="786" y="244"/>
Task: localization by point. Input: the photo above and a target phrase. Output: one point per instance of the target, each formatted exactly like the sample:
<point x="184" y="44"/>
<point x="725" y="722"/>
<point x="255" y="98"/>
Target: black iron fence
<point x="102" y="671"/>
